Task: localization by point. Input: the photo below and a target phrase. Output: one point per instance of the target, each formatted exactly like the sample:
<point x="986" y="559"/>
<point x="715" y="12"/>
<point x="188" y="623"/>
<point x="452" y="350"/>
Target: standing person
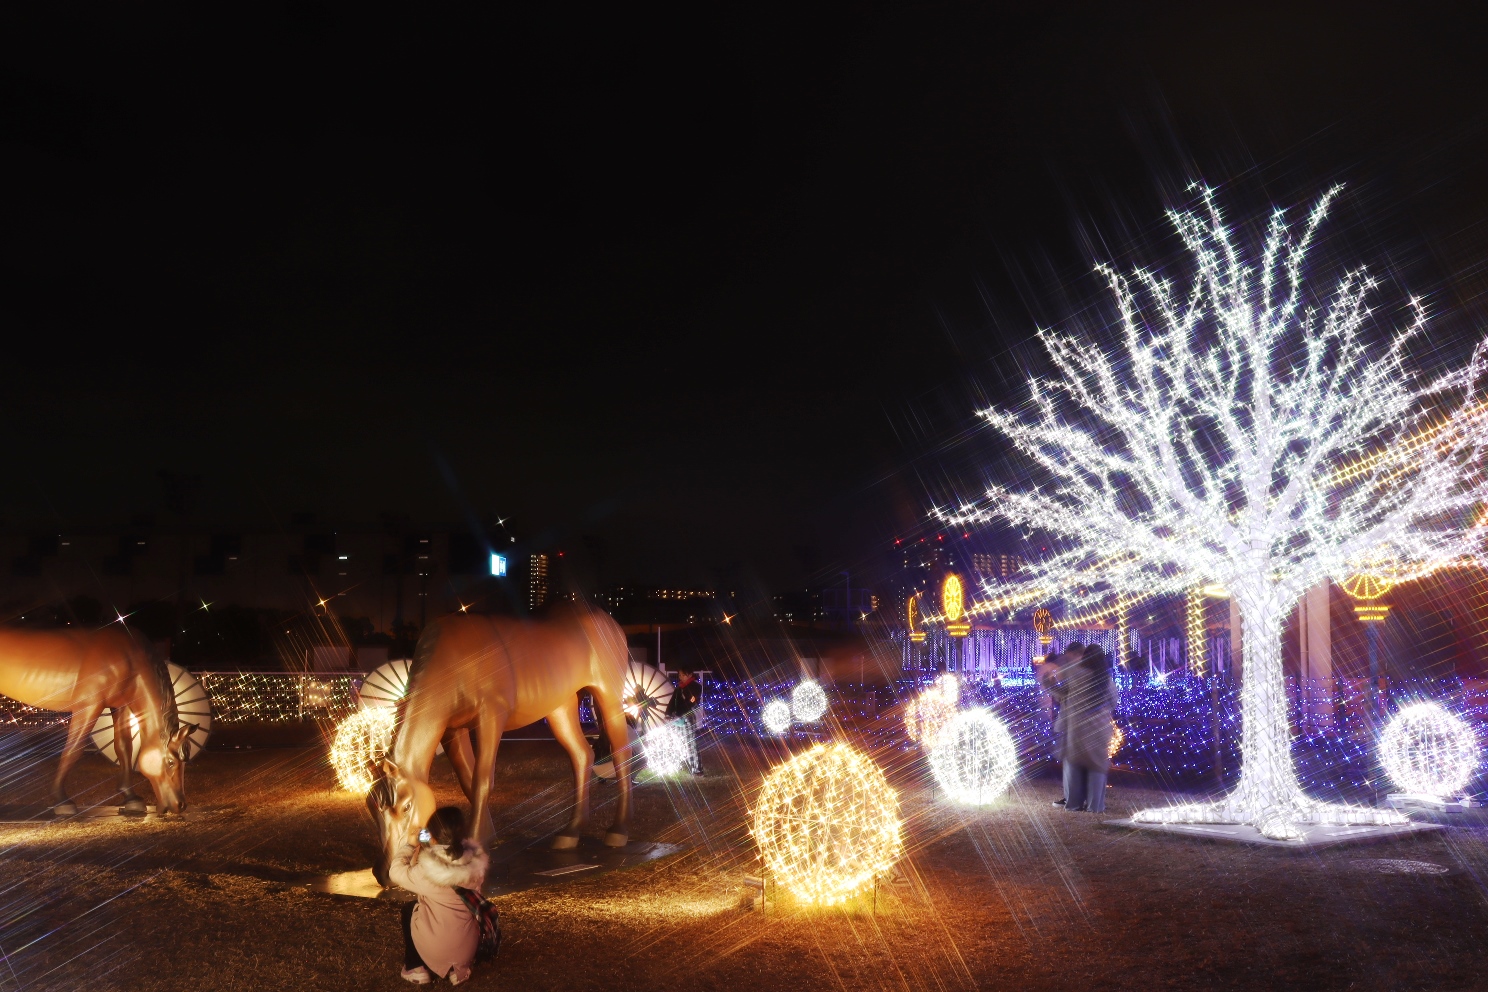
<point x="1048" y="674"/>
<point x="440" y="935"/>
<point x="687" y="707"/>
<point x="1086" y="694"/>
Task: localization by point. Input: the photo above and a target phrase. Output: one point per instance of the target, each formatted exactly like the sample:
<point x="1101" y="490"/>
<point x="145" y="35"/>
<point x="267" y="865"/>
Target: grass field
<point x="1019" y="896"/>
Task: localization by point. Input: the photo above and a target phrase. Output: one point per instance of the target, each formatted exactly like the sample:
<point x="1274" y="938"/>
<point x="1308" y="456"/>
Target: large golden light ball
<point x="827" y="822"/>
<point x="364" y="737"/>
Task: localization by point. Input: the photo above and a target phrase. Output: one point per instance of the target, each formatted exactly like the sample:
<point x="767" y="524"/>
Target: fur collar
<point x="467" y="871"/>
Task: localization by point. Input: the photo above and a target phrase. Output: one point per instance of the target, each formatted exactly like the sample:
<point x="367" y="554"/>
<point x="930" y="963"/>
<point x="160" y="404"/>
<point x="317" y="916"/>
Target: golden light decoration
<point x="974" y="758"/>
<point x="925" y="714"/>
<point x="1118" y="738"/>
<point x="912" y="610"/>
<point x="1375" y="574"/>
<point x="953" y="605"/>
<point x="827" y="823"/>
<point x="363" y="738"/>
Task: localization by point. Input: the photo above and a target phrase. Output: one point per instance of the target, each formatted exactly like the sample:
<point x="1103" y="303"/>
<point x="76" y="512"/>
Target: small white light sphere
<point x="665" y="748"/>
<point x="1427" y="751"/>
<point x="808" y="702"/>
<point x="776" y="716"/>
<point x="974" y="758"/>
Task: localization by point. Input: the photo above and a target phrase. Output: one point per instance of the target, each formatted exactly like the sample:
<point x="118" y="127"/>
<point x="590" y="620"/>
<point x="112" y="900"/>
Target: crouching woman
<point x="440" y="935"/>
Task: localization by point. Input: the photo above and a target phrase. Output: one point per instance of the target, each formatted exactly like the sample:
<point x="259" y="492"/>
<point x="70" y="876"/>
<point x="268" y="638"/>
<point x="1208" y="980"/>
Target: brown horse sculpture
<point x="489" y="675"/>
<point x="81" y="672"/>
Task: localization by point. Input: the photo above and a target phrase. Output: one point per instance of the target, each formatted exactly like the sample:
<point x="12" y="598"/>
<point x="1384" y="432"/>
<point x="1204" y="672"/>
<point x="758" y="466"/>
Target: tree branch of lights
<point x="1239" y="434"/>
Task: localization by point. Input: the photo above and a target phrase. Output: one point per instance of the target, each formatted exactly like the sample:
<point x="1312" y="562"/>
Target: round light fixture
<point x="1428" y="752"/>
<point x="776" y="716"/>
<point x="827" y="822"/>
<point x="362" y="740"/>
<point x="974" y="758"/>
<point x="808" y="702"/>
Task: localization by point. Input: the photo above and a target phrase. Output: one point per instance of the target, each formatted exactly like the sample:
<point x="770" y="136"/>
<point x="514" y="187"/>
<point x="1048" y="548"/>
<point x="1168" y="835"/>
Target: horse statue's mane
<point x="170" y="719"/>
<point x="422" y="652"/>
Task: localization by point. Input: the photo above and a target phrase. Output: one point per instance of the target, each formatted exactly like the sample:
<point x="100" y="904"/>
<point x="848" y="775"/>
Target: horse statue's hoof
<point x="616" y="840"/>
<point x="563" y="842"/>
<point x="68" y="808"/>
<point x="135" y="805"/>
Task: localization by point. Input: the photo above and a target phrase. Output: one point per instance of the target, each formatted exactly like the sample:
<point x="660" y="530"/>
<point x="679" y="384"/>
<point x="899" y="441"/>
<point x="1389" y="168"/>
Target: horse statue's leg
<point x="618" y="732"/>
<point x="77" y="728"/>
<point x="456" y="742"/>
<point x="124" y="751"/>
<point x="564" y="722"/>
<point x="488" y="730"/>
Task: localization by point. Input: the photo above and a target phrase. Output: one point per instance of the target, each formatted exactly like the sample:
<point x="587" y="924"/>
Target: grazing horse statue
<point x="81" y="672"/>
<point x="491" y="674"/>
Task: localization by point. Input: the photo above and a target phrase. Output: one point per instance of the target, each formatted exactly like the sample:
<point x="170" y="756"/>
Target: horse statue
<point x="489" y="674"/>
<point x="81" y="672"/>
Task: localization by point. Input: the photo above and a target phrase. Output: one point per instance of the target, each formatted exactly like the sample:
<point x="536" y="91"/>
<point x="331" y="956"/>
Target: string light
<point x="808" y="702"/>
<point x="827" y="823"/>
<point x="932" y="709"/>
<point x="362" y="739"/>
<point x="1427" y="751"/>
<point x="776" y="716"/>
<point x="974" y="758"/>
<point x="1118" y="738"/>
<point x="1207" y="448"/>
<point x="665" y="748"/>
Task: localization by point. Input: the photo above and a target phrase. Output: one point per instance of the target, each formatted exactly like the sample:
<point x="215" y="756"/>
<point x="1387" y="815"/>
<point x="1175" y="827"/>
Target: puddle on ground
<point x="515" y="866"/>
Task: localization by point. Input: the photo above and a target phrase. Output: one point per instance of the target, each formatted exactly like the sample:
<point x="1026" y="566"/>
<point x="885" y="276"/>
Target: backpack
<point x="486" y="919"/>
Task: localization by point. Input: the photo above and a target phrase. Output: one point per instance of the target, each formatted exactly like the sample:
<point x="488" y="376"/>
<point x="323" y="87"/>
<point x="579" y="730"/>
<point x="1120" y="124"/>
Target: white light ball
<point x="776" y="716"/>
<point x="928" y="712"/>
<point x="665" y="748"/>
<point x="1427" y="751"/>
<point x="974" y="758"/>
<point x="808" y="702"/>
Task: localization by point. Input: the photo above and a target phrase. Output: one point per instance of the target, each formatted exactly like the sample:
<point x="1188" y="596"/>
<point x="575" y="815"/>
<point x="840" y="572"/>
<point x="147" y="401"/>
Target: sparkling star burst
<point x="827" y="822"/>
<point x="1245" y="430"/>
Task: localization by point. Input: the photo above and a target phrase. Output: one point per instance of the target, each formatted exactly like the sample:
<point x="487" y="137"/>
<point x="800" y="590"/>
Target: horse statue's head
<point x="400" y="807"/>
<point x="162" y="760"/>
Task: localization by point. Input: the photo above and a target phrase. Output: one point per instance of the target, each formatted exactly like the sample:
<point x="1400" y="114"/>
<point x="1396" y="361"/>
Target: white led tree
<point x="1250" y="432"/>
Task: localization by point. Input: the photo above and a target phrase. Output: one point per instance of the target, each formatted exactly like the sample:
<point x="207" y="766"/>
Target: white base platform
<point x="1411" y="801"/>
<point x="1320" y="835"/>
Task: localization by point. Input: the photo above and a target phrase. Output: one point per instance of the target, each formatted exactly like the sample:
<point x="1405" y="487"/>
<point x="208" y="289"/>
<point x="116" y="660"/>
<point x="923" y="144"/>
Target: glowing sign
<point x="498" y="564"/>
<point x="915" y="633"/>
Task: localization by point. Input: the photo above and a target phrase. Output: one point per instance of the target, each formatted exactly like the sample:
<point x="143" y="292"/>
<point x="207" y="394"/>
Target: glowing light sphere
<point x="362" y="738"/>
<point x="1428" y="751"/>
<point x="932" y="709"/>
<point x="827" y="822"/>
<point x="974" y="758"/>
<point x="808" y="702"/>
<point x="665" y="748"/>
<point x="776" y="716"/>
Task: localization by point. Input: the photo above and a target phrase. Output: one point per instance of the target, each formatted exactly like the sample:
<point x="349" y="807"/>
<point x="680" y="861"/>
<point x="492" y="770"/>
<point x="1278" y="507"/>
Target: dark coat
<point x="1084" y="726"/>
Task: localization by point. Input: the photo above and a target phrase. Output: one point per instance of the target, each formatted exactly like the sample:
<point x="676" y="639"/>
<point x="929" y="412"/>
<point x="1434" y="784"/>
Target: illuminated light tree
<point x="1248" y="432"/>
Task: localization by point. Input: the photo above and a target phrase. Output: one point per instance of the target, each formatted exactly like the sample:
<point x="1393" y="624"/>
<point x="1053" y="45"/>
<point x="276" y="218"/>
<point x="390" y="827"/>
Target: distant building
<point x="537" y="581"/>
<point x="636" y="604"/>
<point x="990" y="566"/>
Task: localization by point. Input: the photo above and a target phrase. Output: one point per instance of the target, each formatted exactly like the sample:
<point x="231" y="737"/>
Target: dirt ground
<point x="1020" y="896"/>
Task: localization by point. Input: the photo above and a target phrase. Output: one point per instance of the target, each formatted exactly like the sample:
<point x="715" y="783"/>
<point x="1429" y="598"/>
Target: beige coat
<point x="1083" y="727"/>
<point x="444" y="931"/>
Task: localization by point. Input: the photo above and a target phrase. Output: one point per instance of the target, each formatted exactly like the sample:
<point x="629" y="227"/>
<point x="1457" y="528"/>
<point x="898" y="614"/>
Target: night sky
<point x="721" y="293"/>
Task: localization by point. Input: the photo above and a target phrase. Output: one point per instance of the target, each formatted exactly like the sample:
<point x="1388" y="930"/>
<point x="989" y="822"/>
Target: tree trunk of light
<point x="1267" y="778"/>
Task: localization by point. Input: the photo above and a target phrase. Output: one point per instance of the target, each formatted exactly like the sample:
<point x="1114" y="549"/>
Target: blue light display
<point x="498" y="564"/>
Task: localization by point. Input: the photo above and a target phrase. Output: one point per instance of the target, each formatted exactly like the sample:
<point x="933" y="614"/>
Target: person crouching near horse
<point x="439" y="933"/>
